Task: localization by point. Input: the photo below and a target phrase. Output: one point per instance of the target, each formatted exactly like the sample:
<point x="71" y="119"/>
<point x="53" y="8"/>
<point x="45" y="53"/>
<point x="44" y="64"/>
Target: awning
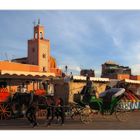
<point x="23" y="74"/>
<point x="132" y="81"/>
<point x="83" y="78"/>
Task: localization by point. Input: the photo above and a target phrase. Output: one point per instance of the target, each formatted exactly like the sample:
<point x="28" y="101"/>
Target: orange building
<point x="39" y="53"/>
<point x="37" y="65"/>
<point x="122" y="76"/>
<point x="135" y="77"/>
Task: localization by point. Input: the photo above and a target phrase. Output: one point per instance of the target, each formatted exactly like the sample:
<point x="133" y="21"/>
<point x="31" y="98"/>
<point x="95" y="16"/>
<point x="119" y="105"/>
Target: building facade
<point x="87" y="72"/>
<point x="114" y="71"/>
<point x="32" y="69"/>
<point x="39" y="53"/>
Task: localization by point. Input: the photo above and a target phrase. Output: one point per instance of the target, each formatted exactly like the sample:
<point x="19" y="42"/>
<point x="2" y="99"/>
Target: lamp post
<point x="66" y="69"/>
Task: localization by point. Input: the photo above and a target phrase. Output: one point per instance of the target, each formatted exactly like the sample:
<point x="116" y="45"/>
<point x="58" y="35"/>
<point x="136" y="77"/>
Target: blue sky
<point x="79" y="39"/>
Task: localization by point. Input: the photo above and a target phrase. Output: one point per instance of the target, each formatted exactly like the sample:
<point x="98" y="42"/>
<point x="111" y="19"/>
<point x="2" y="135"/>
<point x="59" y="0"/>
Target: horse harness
<point x="31" y="98"/>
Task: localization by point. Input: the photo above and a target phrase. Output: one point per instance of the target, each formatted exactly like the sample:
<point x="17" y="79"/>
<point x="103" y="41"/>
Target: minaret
<point x="39" y="49"/>
<point x="38" y="31"/>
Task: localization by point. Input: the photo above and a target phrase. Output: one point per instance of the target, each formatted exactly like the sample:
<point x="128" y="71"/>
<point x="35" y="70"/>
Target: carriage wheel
<point x="87" y="115"/>
<point x="76" y="112"/>
<point x="121" y="114"/>
<point x="5" y="112"/>
<point x="86" y="119"/>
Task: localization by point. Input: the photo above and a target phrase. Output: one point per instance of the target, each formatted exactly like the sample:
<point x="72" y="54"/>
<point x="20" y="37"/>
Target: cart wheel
<point x="121" y="114"/>
<point x="86" y="119"/>
<point x="5" y="112"/>
<point x="75" y="114"/>
<point x="87" y="115"/>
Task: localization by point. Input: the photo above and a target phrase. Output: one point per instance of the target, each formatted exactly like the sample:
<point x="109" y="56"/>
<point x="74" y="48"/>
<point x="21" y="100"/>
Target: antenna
<point x="2" y="56"/>
<point x="38" y="21"/>
<point x="6" y="56"/>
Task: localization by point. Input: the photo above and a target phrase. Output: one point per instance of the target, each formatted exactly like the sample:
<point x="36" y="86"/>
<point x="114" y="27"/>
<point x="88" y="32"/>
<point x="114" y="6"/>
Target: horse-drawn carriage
<point x="107" y="104"/>
<point x="22" y="103"/>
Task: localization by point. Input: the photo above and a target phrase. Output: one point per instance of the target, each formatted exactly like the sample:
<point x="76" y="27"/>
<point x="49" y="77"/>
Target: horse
<point x="25" y="104"/>
<point x="29" y="103"/>
<point x="55" y="108"/>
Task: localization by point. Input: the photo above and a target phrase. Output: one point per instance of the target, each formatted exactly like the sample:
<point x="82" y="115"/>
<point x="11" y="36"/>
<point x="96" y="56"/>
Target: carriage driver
<point x="88" y="86"/>
<point x="88" y="90"/>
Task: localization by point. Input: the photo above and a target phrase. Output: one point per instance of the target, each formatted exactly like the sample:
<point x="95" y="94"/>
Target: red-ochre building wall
<point x="39" y="52"/>
<point x="38" y="59"/>
<point x="11" y="66"/>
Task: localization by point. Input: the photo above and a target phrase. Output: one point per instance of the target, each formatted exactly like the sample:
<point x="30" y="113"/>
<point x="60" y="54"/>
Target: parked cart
<point x="109" y="103"/>
<point x="5" y="110"/>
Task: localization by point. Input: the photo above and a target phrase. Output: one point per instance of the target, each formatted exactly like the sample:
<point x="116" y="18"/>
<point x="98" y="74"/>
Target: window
<point x="35" y="35"/>
<point x="44" y="69"/>
<point x="44" y="55"/>
<point x="41" y="35"/>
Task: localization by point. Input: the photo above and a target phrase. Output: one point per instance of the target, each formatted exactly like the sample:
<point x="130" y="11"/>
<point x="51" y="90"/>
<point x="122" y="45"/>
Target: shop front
<point x="14" y="81"/>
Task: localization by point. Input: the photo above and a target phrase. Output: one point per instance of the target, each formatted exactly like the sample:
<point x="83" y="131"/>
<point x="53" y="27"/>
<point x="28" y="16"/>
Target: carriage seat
<point x="111" y="93"/>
